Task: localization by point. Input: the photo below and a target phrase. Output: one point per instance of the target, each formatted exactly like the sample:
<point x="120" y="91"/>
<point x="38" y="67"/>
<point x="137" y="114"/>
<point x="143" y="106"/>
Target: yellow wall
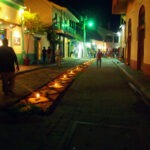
<point x="10" y="22"/>
<point x="132" y="13"/>
<point x="17" y="39"/>
<point x="29" y="43"/>
<point x="8" y="13"/>
<point x="42" y="8"/>
<point x="147" y="33"/>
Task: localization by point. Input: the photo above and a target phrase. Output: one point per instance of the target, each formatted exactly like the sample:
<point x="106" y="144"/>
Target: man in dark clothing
<point x="98" y="57"/>
<point x="8" y="59"/>
<point x="44" y="54"/>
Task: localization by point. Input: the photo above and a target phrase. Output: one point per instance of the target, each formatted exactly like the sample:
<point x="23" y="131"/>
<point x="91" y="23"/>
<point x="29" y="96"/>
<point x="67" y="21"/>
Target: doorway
<point x="37" y="50"/>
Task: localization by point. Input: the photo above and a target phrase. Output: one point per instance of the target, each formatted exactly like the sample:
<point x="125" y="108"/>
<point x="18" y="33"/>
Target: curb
<point x="138" y="85"/>
<point x="33" y="69"/>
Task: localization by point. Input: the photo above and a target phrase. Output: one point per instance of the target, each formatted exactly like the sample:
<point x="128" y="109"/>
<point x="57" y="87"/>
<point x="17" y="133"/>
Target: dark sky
<point x="99" y="10"/>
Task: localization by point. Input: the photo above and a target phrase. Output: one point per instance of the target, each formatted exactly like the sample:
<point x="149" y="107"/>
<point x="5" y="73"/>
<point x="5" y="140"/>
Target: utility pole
<point x="84" y="20"/>
<point x="86" y="23"/>
<point x="84" y="38"/>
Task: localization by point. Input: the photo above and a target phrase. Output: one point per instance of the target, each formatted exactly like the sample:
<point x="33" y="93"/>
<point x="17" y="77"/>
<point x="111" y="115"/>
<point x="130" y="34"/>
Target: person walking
<point x="44" y="55"/>
<point x="98" y="57"/>
<point x="8" y="59"/>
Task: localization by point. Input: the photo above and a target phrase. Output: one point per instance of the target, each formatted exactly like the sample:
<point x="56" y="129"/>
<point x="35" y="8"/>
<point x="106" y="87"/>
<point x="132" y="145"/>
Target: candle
<point x="71" y="72"/>
<point x="37" y="96"/>
<point x="56" y="85"/>
<point x="65" y="76"/>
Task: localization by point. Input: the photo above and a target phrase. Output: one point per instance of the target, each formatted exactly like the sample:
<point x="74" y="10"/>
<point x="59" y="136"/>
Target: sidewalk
<point x="24" y="68"/>
<point x="138" y="78"/>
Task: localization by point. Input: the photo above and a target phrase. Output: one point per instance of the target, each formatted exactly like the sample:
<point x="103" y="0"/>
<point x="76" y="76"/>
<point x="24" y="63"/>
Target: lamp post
<point x="86" y="23"/>
<point x="84" y="39"/>
<point x="84" y="20"/>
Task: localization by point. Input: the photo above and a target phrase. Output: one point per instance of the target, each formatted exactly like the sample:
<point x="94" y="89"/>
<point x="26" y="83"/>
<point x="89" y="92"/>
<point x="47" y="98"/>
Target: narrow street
<point x="61" y="99"/>
<point x="99" y="110"/>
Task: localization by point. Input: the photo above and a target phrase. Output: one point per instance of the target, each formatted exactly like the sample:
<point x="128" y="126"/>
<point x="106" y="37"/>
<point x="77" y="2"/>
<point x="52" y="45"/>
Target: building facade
<point x="10" y="25"/>
<point x="137" y="32"/>
<point x="59" y="18"/>
<point x="51" y="14"/>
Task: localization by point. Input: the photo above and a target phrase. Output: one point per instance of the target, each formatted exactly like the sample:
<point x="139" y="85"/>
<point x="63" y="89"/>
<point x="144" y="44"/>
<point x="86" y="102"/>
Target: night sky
<point x="100" y="11"/>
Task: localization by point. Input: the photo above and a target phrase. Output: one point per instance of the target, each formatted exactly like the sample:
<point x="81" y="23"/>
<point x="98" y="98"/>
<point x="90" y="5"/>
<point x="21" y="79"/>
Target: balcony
<point x="119" y="6"/>
<point x="65" y="30"/>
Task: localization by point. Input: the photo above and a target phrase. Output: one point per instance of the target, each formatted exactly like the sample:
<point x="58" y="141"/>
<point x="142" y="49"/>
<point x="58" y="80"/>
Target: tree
<point x="32" y="23"/>
<point x="53" y="39"/>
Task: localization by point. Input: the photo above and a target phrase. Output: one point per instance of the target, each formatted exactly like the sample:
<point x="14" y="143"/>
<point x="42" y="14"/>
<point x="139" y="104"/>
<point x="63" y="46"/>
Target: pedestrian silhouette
<point x="44" y="55"/>
<point x="8" y="59"/>
<point x="98" y="58"/>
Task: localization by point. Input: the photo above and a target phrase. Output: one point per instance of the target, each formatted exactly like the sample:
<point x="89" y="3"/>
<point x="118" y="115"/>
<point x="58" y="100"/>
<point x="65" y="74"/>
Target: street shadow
<point x="142" y="108"/>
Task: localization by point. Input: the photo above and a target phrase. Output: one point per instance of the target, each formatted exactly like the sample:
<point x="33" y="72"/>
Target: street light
<point x="90" y="23"/>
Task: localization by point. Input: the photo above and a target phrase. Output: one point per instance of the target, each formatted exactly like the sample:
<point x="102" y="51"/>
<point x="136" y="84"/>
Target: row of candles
<point x="58" y="85"/>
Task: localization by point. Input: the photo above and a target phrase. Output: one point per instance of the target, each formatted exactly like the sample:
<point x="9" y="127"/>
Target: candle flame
<point x="77" y="68"/>
<point x="56" y="85"/>
<point x="37" y="95"/>
<point x="71" y="72"/>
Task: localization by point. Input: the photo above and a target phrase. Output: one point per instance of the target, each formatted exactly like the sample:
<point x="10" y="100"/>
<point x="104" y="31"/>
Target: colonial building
<point x="10" y="25"/>
<point x="56" y="16"/>
<point x="137" y="32"/>
<point x="51" y="14"/>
